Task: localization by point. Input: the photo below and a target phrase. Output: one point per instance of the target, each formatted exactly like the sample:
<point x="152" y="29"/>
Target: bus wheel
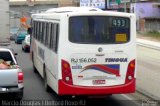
<point x="47" y="88"/>
<point x="34" y="68"/>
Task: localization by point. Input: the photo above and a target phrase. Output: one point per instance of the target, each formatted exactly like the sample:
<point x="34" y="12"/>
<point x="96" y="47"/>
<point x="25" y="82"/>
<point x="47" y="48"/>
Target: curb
<point x="148" y="44"/>
<point x="147" y="94"/>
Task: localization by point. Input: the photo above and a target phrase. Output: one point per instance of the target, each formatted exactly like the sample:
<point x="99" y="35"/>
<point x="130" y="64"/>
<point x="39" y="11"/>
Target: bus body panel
<point x="51" y="69"/>
<point x="38" y="61"/>
<point x="65" y="89"/>
<point x="42" y="62"/>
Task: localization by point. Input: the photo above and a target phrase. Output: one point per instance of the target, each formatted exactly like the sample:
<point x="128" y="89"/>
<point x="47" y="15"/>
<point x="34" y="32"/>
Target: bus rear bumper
<point x="65" y="89"/>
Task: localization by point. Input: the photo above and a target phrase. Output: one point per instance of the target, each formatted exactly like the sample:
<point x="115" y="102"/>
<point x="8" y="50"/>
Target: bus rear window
<point x="99" y="30"/>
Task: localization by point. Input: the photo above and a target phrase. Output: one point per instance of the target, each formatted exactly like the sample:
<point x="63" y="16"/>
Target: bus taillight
<point x="130" y="71"/>
<point x="66" y="72"/>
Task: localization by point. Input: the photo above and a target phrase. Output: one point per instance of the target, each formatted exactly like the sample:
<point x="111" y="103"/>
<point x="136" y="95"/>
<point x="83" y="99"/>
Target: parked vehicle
<point x="11" y="76"/>
<point x="26" y="44"/>
<point x="4" y="23"/>
<point x="13" y="32"/>
<point x="20" y="37"/>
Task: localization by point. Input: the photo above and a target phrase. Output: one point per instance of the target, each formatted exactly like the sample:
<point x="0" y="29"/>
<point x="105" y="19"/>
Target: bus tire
<point x="34" y="68"/>
<point x="47" y="88"/>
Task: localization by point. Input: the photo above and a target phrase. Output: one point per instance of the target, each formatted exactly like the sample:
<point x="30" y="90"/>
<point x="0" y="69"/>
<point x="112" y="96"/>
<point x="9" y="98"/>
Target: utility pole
<point x="125" y="7"/>
<point x="106" y="8"/>
<point x="90" y="3"/>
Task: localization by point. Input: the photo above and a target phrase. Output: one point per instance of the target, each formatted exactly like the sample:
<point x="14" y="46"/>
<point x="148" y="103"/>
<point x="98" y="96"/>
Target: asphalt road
<point x="148" y="71"/>
<point x="35" y="92"/>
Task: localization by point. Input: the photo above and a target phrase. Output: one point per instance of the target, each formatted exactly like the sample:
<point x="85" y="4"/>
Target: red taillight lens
<point x="26" y="46"/>
<point x="66" y="72"/>
<point x="20" y="77"/>
<point x="130" y="71"/>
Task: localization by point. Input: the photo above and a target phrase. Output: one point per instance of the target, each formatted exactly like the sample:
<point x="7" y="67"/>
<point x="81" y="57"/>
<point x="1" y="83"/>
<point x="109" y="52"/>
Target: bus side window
<point x="49" y="34"/>
<point x="56" y="37"/>
<point x="38" y="30"/>
<point x="46" y="34"/>
<point x="34" y="29"/>
<point x="52" y="36"/>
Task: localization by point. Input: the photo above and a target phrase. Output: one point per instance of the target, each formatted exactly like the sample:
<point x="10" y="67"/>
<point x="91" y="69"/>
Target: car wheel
<point x="25" y="50"/>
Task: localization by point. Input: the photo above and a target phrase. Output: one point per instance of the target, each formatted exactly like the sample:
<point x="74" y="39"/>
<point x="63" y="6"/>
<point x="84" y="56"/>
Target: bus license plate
<point x="98" y="82"/>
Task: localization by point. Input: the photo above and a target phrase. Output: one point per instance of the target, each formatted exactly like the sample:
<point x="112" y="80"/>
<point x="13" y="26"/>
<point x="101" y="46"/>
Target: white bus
<point x="91" y="52"/>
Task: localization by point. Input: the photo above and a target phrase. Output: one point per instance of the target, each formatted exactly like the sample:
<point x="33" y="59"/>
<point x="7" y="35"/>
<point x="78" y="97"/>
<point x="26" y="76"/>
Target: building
<point x="147" y="14"/>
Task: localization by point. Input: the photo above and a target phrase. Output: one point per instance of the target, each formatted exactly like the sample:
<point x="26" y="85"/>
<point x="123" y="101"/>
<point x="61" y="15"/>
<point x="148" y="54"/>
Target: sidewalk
<point x="148" y="43"/>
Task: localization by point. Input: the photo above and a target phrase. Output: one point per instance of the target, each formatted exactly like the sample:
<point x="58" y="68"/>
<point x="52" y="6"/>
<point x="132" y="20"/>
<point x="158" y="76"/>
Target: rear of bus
<point x="97" y="54"/>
